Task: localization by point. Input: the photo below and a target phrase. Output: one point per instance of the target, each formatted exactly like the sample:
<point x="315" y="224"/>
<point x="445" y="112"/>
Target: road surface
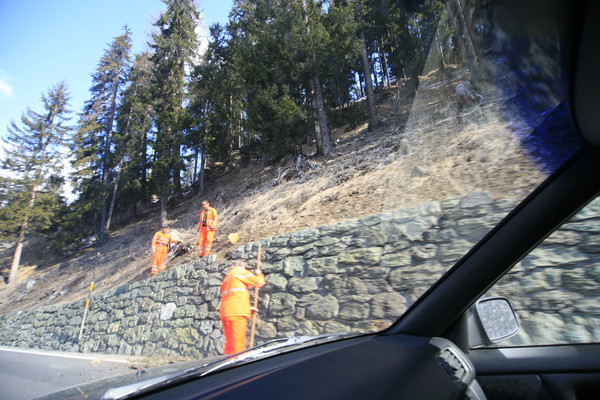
<point x="27" y="373"/>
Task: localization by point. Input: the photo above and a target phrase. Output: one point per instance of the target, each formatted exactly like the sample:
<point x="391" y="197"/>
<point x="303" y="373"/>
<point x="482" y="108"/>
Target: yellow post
<point x="87" y="305"/>
<point x="255" y="301"/>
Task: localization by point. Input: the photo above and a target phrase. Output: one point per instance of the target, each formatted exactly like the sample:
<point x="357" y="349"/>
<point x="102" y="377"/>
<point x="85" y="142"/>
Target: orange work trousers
<point x="234" y="329"/>
<point x="158" y="258"/>
<point x="205" y="241"/>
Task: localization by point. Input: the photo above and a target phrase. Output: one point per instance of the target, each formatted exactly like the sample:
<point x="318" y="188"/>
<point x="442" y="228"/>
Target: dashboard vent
<point x="455" y="366"/>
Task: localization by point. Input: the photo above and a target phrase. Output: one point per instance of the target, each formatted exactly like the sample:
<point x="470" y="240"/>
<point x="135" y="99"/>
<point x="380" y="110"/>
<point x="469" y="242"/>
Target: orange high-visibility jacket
<point x="162" y="239"/>
<point x="211" y="219"/>
<point x="235" y="298"/>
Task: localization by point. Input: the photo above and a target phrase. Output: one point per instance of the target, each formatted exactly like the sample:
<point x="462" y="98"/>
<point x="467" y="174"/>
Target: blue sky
<point x="43" y="42"/>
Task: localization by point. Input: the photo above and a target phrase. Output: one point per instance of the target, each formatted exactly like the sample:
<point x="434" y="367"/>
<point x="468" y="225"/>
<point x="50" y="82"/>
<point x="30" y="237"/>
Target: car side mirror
<point x="491" y="320"/>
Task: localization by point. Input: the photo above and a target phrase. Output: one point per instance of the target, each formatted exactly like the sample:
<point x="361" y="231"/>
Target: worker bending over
<point x="207" y="226"/>
<point x="235" y="307"/>
<point x="160" y="248"/>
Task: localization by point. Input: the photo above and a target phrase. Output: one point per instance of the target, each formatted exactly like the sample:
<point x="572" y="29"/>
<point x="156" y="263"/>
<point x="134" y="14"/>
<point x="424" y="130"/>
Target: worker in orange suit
<point x="235" y="307"/>
<point x="160" y="248"/>
<point x="207" y="226"/>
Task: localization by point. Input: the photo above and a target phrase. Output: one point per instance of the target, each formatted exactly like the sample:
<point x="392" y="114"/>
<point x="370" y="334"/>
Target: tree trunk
<point x="104" y="224"/>
<point x="201" y="155"/>
<point x="466" y="38"/>
<point x="178" y="192"/>
<point x="144" y="158"/>
<point x="113" y="197"/>
<point x="196" y="156"/>
<point x="132" y="211"/>
<point x="326" y="146"/>
<point x="316" y="127"/>
<point x="14" y="268"/>
<point x="230" y="133"/>
<point x="202" y="165"/>
<point x="384" y="65"/>
<point x="440" y="48"/>
<point x="322" y="136"/>
<point x="102" y="233"/>
<point x="372" y="109"/>
<point x="164" y="200"/>
<point x="16" y="261"/>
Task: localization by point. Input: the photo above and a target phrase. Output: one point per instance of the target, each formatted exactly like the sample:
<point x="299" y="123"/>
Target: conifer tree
<point x="216" y="107"/>
<point x="134" y="124"/>
<point x="208" y="91"/>
<point x="340" y="63"/>
<point x="93" y="144"/>
<point x="362" y="12"/>
<point x="175" y="45"/>
<point x="268" y="49"/>
<point x="33" y="156"/>
<point x="314" y="30"/>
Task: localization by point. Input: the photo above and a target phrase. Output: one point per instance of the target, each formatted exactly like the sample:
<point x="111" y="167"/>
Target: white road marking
<point x="53" y="354"/>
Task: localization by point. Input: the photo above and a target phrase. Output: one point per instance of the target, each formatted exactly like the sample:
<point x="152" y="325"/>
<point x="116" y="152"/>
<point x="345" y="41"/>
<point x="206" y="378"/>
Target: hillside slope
<point x="372" y="172"/>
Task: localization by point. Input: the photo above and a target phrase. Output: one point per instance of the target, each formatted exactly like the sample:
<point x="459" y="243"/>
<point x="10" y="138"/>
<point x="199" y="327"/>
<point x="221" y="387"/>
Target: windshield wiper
<point x="272" y="347"/>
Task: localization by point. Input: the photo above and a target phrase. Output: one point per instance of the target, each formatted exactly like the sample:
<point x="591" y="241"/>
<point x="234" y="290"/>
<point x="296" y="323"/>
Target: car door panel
<point x="543" y="372"/>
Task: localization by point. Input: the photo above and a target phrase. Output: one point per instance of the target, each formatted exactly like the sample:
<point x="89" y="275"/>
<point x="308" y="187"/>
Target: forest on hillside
<point x="278" y="75"/>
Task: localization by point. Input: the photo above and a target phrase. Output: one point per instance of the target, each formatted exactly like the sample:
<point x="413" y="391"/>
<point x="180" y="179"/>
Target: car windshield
<point x="353" y="153"/>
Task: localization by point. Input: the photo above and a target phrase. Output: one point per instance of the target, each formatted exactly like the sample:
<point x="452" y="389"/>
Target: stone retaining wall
<point x="356" y="275"/>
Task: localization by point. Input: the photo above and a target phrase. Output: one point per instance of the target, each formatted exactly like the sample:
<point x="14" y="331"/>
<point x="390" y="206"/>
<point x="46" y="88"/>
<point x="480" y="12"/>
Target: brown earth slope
<point x="389" y="168"/>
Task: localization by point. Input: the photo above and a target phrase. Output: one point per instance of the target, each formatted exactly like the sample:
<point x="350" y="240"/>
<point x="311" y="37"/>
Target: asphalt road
<point x="26" y="373"/>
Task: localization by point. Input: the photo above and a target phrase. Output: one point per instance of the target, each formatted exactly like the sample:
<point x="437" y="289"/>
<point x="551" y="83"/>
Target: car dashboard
<point x="373" y="367"/>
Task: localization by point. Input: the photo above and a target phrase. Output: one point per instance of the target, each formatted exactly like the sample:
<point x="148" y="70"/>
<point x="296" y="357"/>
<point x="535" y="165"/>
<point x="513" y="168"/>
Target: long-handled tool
<point x="87" y="306"/>
<point x="253" y="329"/>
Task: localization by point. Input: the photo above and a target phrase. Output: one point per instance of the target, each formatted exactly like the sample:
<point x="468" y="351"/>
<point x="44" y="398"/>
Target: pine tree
<point x="134" y="124"/>
<point x="268" y="50"/>
<point x="362" y="13"/>
<point x="314" y="30"/>
<point x="216" y="108"/>
<point x="93" y="144"/>
<point x="207" y="100"/>
<point x="340" y="64"/>
<point x="33" y="156"/>
<point x="175" y="45"/>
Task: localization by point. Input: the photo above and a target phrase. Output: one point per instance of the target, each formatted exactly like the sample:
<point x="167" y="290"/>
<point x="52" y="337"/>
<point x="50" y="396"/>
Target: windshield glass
<point x="353" y="153"/>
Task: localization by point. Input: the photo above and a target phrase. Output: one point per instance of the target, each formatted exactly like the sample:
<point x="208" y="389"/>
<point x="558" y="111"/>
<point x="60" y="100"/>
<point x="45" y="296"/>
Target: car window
<point x="555" y="290"/>
<point x="475" y="116"/>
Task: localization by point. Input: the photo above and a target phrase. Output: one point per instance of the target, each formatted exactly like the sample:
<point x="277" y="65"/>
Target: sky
<point x="43" y="42"/>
